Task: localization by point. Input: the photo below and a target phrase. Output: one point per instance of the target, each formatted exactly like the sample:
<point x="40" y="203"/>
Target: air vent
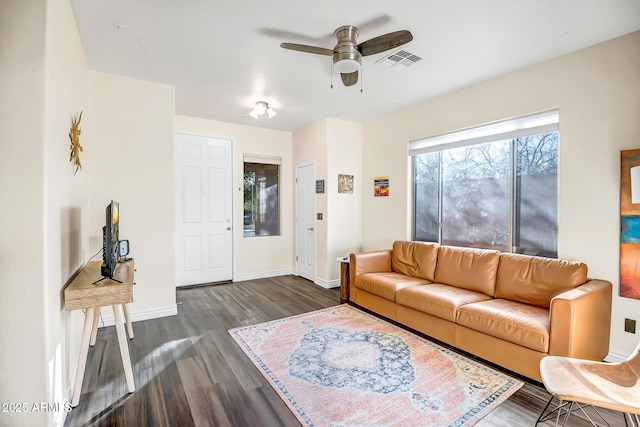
<point x="399" y="59"/>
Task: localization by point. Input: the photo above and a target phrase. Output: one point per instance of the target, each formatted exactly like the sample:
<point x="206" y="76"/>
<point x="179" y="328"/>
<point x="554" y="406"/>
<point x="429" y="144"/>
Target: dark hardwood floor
<point x="189" y="372"/>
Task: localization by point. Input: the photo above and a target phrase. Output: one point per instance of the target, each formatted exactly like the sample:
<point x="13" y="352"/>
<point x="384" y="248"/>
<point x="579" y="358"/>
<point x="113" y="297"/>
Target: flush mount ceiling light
<point x="261" y="108"/>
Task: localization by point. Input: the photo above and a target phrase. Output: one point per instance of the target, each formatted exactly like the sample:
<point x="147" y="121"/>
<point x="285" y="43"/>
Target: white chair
<point x="578" y="383"/>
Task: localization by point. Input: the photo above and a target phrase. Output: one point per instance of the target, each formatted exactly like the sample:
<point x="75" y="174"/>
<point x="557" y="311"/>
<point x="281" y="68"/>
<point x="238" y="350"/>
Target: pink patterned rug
<point x="343" y="367"/>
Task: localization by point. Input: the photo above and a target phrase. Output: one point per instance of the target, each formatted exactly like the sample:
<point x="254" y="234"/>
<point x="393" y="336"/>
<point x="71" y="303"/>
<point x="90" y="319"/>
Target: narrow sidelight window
<point x="261" y="196"/>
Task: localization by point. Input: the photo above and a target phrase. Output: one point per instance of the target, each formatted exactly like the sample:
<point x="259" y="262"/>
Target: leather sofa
<point x="509" y="309"/>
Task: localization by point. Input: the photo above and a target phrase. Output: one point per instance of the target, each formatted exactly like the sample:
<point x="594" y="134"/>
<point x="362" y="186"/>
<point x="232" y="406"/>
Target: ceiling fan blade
<point x="307" y="49"/>
<point x="349" y="79"/>
<point x="384" y="42"/>
<point x="322" y="40"/>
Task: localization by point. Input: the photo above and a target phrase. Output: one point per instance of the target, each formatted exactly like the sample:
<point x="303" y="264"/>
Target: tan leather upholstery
<point x="368" y="262"/>
<point x="522" y="360"/>
<point x="473" y="269"/>
<point x="417" y="259"/>
<point x="386" y="284"/>
<point x="580" y="321"/>
<point x="535" y="280"/>
<point x="433" y="326"/>
<point x="382" y="306"/>
<point x="511" y="321"/>
<point x="438" y="300"/>
<point x="563" y="317"/>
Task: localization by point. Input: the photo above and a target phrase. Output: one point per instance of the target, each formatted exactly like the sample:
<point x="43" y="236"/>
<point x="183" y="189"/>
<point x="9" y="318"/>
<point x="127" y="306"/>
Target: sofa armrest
<point x="580" y="321"/>
<point x="369" y="262"/>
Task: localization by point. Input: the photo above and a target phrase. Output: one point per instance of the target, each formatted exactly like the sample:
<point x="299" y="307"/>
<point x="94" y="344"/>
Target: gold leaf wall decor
<point x="76" y="148"/>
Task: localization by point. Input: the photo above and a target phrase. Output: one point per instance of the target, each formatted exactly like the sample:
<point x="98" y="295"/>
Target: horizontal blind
<point x="546" y="121"/>
<point x="265" y="160"/>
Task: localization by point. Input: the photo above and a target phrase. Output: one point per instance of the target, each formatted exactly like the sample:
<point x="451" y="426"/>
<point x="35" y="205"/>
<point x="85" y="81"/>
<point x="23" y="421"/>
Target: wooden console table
<point x="82" y="293"/>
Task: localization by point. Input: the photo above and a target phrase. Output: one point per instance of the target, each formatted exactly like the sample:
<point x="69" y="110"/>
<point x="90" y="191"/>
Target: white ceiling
<point x="224" y="55"/>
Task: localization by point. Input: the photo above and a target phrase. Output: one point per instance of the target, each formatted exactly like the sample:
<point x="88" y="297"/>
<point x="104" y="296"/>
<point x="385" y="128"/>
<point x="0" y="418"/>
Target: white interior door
<point x="204" y="223"/>
<point x="306" y="221"/>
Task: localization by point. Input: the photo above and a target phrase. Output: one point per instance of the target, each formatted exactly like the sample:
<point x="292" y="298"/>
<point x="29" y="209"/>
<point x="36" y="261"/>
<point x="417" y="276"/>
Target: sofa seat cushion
<point x="521" y="324"/>
<point x="472" y="269"/>
<point x="536" y="280"/>
<point x="417" y="259"/>
<point x="438" y="300"/>
<point x="386" y="284"/>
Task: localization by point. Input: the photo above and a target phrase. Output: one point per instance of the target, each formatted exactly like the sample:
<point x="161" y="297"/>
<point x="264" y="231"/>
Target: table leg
<point x="94" y="329"/>
<point x="127" y="320"/>
<point x="82" y="358"/>
<point x="124" y="349"/>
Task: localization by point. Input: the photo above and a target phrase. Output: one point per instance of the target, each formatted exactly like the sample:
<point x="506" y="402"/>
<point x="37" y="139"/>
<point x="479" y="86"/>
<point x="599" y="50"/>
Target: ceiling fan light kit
<point x="260" y="108"/>
<point x="347" y="53"/>
<point x="346" y="56"/>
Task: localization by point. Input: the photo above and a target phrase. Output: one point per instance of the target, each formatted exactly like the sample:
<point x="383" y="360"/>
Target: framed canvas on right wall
<point x="630" y="223"/>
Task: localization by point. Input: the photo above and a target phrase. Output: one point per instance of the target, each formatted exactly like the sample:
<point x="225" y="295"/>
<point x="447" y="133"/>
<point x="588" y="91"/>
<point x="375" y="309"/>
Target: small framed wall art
<point x="345" y="183"/>
<point x="381" y="186"/>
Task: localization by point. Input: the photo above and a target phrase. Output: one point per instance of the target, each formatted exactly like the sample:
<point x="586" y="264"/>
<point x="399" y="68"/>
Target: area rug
<point x="341" y="366"/>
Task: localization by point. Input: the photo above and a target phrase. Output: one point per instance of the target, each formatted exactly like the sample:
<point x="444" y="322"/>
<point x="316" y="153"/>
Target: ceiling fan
<point x="347" y="53"/>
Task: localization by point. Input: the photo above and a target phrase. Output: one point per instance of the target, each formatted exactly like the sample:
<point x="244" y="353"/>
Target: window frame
<point x="266" y="161"/>
<point x="535" y="124"/>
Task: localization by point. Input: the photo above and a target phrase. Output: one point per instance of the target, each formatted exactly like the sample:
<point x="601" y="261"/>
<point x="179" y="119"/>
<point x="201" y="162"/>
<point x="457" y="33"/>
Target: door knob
<point x="228" y="228"/>
<point x="310" y="228"/>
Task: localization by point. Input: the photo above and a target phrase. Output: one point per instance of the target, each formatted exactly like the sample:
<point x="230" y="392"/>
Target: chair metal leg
<point x="566" y="418"/>
<point x="634" y="419"/>
<point x="554" y="413"/>
<point x="630" y="420"/>
<point x="581" y="407"/>
<point x="540" y="418"/>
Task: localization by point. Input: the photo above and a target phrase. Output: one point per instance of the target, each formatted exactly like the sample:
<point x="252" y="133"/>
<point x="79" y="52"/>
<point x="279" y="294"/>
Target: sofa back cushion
<point x="416" y="259"/>
<point x="535" y="280"/>
<point x="473" y="269"/>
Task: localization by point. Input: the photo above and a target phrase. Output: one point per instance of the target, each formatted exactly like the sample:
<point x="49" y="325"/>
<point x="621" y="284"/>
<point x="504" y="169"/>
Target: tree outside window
<point x="500" y="195"/>
<point x="261" y="199"/>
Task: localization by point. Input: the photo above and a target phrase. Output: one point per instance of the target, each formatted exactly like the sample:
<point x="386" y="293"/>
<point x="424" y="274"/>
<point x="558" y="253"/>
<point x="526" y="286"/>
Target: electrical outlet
<point x="319" y="215"/>
<point x="630" y="325"/>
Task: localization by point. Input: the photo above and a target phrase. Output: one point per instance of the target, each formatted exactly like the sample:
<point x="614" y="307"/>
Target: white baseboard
<point x="143" y="315"/>
<point x="327" y="284"/>
<point x="616" y="356"/>
<point x="262" y="275"/>
<point x="274" y="273"/>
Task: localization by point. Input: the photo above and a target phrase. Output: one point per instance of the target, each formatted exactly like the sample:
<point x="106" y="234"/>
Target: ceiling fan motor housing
<point x="346" y="56"/>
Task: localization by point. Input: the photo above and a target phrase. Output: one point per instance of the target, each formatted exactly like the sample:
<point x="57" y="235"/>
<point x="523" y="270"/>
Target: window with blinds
<point x="492" y="186"/>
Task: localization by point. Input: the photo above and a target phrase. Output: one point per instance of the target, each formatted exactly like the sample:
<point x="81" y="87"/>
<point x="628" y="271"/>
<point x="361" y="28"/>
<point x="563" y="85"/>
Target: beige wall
<point x="335" y="146"/>
<point x="344" y="211"/>
<point x="598" y="93"/>
<point x="260" y="256"/>
<point x="131" y="162"/>
<point x="66" y="195"/>
<point x="43" y="228"/>
<point x="310" y="146"/>
<point x="22" y="244"/>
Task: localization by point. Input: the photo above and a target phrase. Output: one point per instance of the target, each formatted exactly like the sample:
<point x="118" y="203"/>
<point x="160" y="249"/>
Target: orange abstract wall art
<point x="629" y="228"/>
